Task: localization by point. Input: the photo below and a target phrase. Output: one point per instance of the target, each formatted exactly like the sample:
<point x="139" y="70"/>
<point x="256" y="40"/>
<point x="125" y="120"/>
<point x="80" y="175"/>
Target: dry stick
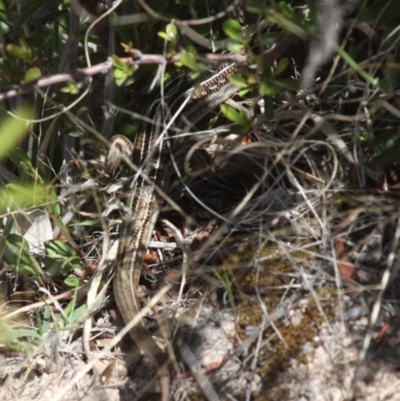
<point x="81" y="75"/>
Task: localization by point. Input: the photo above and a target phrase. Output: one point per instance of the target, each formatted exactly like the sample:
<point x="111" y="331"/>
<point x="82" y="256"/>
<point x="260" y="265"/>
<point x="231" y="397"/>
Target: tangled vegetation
<point x="279" y="228"/>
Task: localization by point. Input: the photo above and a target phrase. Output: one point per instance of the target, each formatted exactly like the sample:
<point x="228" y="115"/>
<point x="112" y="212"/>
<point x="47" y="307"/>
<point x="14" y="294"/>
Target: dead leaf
<point x="105" y="376"/>
<point x="347" y="271"/>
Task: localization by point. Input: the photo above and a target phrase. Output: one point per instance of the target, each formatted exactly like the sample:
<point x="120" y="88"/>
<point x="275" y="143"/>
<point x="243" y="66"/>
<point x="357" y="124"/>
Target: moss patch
<point x="265" y="280"/>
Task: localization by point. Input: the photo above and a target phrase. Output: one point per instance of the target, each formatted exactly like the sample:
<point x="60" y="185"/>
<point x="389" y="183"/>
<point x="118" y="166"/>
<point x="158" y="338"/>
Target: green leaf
<point x="60" y="256"/>
<point x="128" y="46"/>
<point x="235" y="47"/>
<point x="76" y="314"/>
<point x="232" y="29"/>
<point x="353" y="64"/>
<point x="287" y="11"/>
<point x="282" y="64"/>
<point x="118" y="63"/>
<point x="20" y="259"/>
<point x="3" y="15"/>
<point x="59" y="248"/>
<point x="25" y="265"/>
<point x="226" y="282"/>
<point x="122" y="70"/>
<point x="43" y="322"/>
<point x="51" y="266"/>
<point x="17" y="245"/>
<point x="72" y="282"/>
<point x="69" y="310"/>
<point x="120" y="77"/>
<point x="10" y="335"/>
<point x="75" y="134"/>
<point x="13" y="129"/>
<point x="22" y="161"/>
<point x="230" y="113"/>
<point x="193" y="75"/>
<point x="238" y="117"/>
<point x="24" y="347"/>
<point x="268" y="87"/>
<point x="243" y="92"/>
<point x="172" y="32"/>
<point x="238" y="80"/>
<point x="164" y="36"/>
<point x="38" y="272"/>
<point x="71" y="88"/>
<point x="19" y="51"/>
<point x="189" y="60"/>
<point x="15" y="196"/>
<point x="32" y="75"/>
